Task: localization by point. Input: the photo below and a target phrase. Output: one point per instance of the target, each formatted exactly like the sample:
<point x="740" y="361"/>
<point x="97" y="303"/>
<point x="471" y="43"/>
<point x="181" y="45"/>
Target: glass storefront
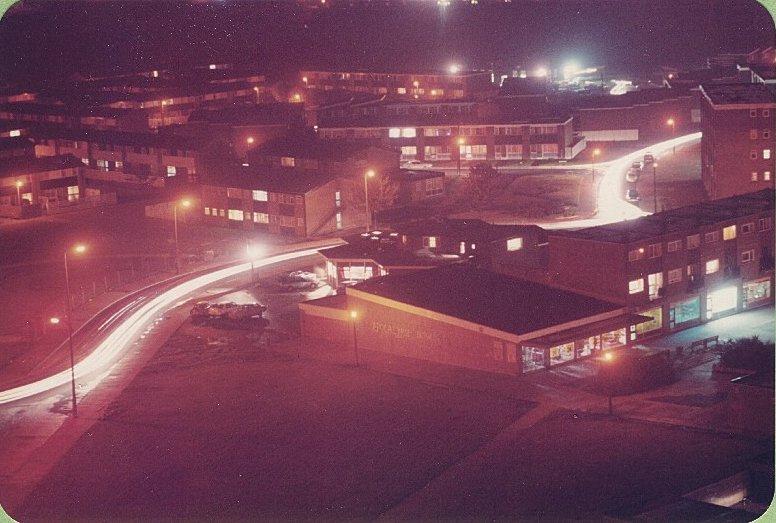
<point x="756" y="291"/>
<point x="684" y="311"/>
<point x="588" y="346"/>
<point x="533" y="359"/>
<point x="655" y="323"/>
<point x="721" y="300"/>
<point x="561" y="353"/>
<point x="613" y="339"/>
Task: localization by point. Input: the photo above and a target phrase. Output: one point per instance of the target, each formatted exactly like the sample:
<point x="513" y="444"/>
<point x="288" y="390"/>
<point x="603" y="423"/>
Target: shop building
<point x="680" y="267"/>
<point x="469" y="317"/>
<point x="738" y="147"/>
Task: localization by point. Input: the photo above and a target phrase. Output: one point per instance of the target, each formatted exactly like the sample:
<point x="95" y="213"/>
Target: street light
<point x="672" y="123"/>
<point x="609" y="357"/>
<point x="19" y="184"/>
<point x="368" y="174"/>
<point x="185" y="203"/>
<point x="253" y="252"/>
<point x="596" y="154"/>
<point x="76" y="249"/>
<point x="354" y="317"/>
<point x="654" y="184"/>
<point x="250" y="140"/>
<point x="461" y="142"/>
<point x="54" y="321"/>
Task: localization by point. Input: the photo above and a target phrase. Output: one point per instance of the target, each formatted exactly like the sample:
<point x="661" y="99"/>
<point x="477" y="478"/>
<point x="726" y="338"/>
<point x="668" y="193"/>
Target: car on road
<point x="203" y="311"/>
<point x="632" y="195"/>
<point x="633" y="175"/>
<point x="416" y="164"/>
<point x="637" y="165"/>
<point x="649" y="159"/>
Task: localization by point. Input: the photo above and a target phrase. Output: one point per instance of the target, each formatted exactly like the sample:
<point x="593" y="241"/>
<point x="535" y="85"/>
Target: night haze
<point x="409" y="260"/>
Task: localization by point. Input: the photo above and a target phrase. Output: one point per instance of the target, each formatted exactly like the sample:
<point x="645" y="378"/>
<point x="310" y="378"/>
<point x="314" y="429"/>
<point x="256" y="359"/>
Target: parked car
<point x="416" y="164"/>
<point x="203" y="311"/>
<point x="632" y="195"/>
<point x="649" y="159"/>
<point x="633" y="175"/>
<point x="637" y="165"/>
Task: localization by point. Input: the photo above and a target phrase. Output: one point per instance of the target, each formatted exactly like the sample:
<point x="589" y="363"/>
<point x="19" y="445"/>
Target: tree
<point x="383" y="193"/>
<point x="481" y="183"/>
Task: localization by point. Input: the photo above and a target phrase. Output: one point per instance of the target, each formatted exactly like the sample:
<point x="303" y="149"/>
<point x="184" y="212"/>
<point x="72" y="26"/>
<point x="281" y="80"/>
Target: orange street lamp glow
<point x="596" y="152"/>
<point x="250" y="139"/>
<point x="370" y="173"/>
<point x="608" y="356"/>
<point x="353" y="314"/>
<point x="19" y="183"/>
<point x="461" y="141"/>
<point x="186" y="203"/>
<point x="670" y="121"/>
<point x="54" y="321"/>
<point x="79" y="248"/>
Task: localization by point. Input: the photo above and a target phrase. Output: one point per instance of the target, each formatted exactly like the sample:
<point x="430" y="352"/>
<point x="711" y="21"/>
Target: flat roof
<point x="465" y="228"/>
<point x="385" y="255"/>
<point x="309" y="145"/>
<point x="451" y="119"/>
<point x="139" y="139"/>
<point x="682" y="219"/>
<point x="738" y="94"/>
<point x="24" y="165"/>
<point x="487" y="298"/>
<point x="263" y="178"/>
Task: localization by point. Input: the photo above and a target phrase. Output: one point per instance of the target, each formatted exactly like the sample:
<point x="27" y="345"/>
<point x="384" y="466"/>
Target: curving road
<point x="130" y="321"/>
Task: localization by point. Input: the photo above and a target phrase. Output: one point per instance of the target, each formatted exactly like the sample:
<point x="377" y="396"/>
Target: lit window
<point x="261" y="217"/>
<point x="473" y="246"/>
<point x="171" y="170"/>
<point x="409" y="132"/>
<point x="102" y="165"/>
<point x="85" y="161"/>
<point x="287" y="161"/>
<point x="338" y="199"/>
<point x="119" y="164"/>
<point x="655" y="284"/>
<point x="462" y="248"/>
<point x="394" y="132"/>
<point x="72" y="193"/>
<point x="430" y="242"/>
<point x="514" y="244"/>
<point x="222" y="213"/>
<point x="401" y="90"/>
<point x="636" y="286"/>
<point x="729" y="232"/>
<point x="754" y="176"/>
<point x="747" y="228"/>
<point x="260" y="196"/>
<point x="674" y="246"/>
<point x="747" y="256"/>
<point x="712" y="266"/>
<point x="15" y="133"/>
<point x="766" y="154"/>
<point x="236" y="214"/>
<point x="207" y="211"/>
<point x="338" y="217"/>
<point x="675" y="275"/>
<point x="767" y="175"/>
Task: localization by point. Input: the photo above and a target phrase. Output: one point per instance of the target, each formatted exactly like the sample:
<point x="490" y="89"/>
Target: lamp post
<point x="19" y="184"/>
<point x="461" y="141"/>
<point x="368" y="174"/>
<point x="672" y="123"/>
<point x="253" y="252"/>
<point x="185" y="204"/>
<point x="77" y="249"/>
<point x="654" y="184"/>
<point x="596" y="154"/>
<point x="354" y="317"/>
<point x="609" y="357"/>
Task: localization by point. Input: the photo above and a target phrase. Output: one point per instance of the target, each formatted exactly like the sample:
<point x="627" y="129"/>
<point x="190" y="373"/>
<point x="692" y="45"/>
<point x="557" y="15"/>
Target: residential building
<point x="463" y="84"/>
<point x="446" y="315"/>
<point x="680" y="267"/>
<point x="738" y="147"/>
<point x="415" y="186"/>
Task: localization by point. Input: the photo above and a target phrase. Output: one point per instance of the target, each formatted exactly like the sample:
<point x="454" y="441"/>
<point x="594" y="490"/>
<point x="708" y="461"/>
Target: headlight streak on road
<point x="612" y="206"/>
<point x="108" y="351"/>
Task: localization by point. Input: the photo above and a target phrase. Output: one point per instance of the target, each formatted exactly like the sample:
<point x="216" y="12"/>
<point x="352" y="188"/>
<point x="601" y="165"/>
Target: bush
<point x="748" y="353"/>
<point x="634" y="372"/>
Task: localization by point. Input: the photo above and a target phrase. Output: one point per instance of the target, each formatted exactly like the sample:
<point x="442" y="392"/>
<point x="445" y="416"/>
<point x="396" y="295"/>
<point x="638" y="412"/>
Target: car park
<point x="416" y="164"/>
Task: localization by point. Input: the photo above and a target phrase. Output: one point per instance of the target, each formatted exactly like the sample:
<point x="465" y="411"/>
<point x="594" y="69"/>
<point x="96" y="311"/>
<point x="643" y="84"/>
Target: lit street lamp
<point x="596" y="154"/>
<point x="19" y="184"/>
<point x="461" y="142"/>
<point x="354" y="317"/>
<point x="672" y="123"/>
<point x="185" y="204"/>
<point x="609" y="357"/>
<point x="368" y="174"/>
<point x="253" y="252"/>
<point x="77" y="249"/>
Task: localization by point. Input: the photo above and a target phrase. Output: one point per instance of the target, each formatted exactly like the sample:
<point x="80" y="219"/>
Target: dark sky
<point x="621" y="34"/>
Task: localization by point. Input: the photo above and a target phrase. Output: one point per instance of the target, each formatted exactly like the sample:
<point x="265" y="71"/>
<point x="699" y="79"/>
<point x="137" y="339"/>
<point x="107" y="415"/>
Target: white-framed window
<point x="766" y="154"/>
<point x="236" y="214"/>
<point x="337" y="199"/>
<point x="85" y="161"/>
<point x="712" y="266"/>
<point x="729" y="232"/>
<point x="102" y="165"/>
<point x="636" y="254"/>
<point x="430" y="242"/>
<point x="752" y="155"/>
<point x="222" y="213"/>
<point x="655" y="250"/>
<point x="394" y="132"/>
<point x="636" y="286"/>
<point x="753" y="113"/>
<point x="766" y="113"/>
<point x="764" y="224"/>
<point x="767" y="175"/>
<point x="207" y="211"/>
<point x="287" y="161"/>
<point x="747" y="228"/>
<point x="409" y="152"/>
<point x="408" y="132"/>
<point x="754" y="176"/>
<point x="260" y="217"/>
<point x="711" y="237"/>
<point x="14" y="133"/>
<point x="401" y="90"/>
<point x="171" y="171"/>
<point x="674" y="245"/>
<point x="766" y="133"/>
<point x="72" y="193"/>
<point x="675" y="275"/>
<point x="693" y="241"/>
<point x="514" y="244"/>
<point x="119" y="164"/>
<point x="747" y="256"/>
<point x="338" y="218"/>
<point x="655" y="281"/>
<point x="462" y="248"/>
<point x="260" y="196"/>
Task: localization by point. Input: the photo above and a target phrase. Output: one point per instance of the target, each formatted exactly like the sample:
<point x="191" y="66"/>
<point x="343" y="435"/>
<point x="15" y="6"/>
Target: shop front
<point x="721" y="301"/>
<point x="682" y="313"/>
<point x="756" y="292"/>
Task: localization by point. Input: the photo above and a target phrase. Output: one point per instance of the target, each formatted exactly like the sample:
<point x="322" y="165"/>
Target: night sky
<point x="623" y="35"/>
